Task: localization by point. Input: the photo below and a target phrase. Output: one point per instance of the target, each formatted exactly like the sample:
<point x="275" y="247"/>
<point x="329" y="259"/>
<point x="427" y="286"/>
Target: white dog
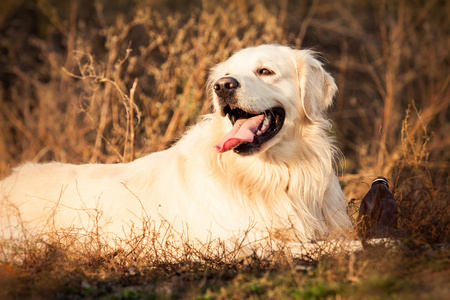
<point x="259" y="168"/>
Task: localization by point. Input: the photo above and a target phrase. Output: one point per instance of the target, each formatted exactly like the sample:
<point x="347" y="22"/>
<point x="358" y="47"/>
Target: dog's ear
<point x="317" y="87"/>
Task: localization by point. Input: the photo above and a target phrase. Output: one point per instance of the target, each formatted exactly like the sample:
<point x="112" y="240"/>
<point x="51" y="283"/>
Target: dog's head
<point x="266" y="93"/>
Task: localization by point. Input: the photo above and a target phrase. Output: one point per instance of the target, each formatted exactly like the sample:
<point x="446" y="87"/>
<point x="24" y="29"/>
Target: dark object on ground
<point x="378" y="213"/>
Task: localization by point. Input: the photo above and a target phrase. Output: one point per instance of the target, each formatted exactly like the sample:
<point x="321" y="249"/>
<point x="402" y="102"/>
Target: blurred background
<point x="110" y="81"/>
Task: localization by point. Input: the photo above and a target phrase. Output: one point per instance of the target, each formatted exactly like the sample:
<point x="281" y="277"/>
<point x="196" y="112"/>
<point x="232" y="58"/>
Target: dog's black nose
<point x="225" y="86"/>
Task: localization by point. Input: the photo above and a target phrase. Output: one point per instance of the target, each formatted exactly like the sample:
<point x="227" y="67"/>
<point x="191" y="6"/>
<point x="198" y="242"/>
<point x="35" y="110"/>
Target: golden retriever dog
<point x="257" y="170"/>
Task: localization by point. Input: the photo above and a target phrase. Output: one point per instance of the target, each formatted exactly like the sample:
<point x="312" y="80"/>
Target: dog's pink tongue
<point x="243" y="131"/>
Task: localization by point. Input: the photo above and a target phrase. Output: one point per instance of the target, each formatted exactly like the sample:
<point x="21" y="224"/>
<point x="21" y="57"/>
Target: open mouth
<point x="250" y="130"/>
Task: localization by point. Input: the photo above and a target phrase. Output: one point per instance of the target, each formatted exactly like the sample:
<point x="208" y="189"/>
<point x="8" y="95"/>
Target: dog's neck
<point x="268" y="181"/>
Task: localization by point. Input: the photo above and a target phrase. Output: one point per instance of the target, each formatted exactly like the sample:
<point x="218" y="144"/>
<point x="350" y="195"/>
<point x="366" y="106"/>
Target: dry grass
<point x="109" y="81"/>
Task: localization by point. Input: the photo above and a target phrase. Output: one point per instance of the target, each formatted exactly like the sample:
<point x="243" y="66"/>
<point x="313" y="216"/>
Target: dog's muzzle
<point x="251" y="129"/>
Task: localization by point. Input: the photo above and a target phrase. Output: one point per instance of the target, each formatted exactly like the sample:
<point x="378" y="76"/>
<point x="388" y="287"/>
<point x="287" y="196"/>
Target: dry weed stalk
<point x="422" y="191"/>
<point x="88" y="73"/>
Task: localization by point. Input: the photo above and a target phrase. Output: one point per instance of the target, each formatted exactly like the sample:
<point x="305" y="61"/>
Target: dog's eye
<point x="265" y="72"/>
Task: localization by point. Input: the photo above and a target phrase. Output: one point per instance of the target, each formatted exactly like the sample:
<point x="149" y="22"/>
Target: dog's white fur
<point x="287" y="191"/>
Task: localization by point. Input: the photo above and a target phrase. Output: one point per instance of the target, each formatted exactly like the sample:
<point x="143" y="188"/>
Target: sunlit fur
<point x="287" y="193"/>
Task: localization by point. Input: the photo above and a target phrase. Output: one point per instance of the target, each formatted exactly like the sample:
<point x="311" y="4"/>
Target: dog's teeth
<point x="258" y="132"/>
<point x="265" y="124"/>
